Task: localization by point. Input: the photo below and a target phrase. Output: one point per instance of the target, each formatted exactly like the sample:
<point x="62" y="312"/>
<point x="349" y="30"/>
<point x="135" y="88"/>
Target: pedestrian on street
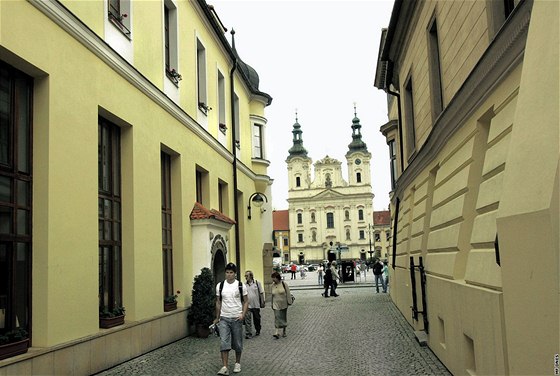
<point x="378" y="274"/>
<point x="320" y="274"/>
<point x="335" y="278"/>
<point x="386" y="274"/>
<point x="363" y="271"/>
<point x="232" y="304"/>
<point x="327" y="280"/>
<point x="293" y="269"/>
<point x="256" y="302"/>
<point x="281" y="298"/>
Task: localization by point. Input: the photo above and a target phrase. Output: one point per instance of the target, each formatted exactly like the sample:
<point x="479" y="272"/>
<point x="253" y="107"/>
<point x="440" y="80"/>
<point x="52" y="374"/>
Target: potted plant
<point x="170" y="302"/>
<point x="111" y="318"/>
<point x="203" y="306"/>
<point x="14" y="342"/>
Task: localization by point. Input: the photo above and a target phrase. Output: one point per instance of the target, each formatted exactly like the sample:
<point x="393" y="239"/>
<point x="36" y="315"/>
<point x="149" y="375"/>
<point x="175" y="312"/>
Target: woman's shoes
<point x="276" y="336"/>
<point x="284" y="335"/>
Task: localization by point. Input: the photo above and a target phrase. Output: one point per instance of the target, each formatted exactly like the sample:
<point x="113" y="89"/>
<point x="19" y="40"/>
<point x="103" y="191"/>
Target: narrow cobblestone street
<point x="358" y="333"/>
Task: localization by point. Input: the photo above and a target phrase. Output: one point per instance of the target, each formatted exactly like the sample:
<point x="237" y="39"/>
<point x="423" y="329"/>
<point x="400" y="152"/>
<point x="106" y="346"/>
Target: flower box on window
<point x="204" y="107"/>
<point x="109" y="319"/>
<point x="174" y="76"/>
<point x="13" y="343"/>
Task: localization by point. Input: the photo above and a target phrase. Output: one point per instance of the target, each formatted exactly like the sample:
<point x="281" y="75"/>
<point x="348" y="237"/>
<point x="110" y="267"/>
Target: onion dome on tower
<point x="297" y="149"/>
<point x="357" y="145"/>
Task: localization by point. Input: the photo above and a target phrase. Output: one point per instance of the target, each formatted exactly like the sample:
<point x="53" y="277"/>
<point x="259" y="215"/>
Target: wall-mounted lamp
<point x="258" y="199"/>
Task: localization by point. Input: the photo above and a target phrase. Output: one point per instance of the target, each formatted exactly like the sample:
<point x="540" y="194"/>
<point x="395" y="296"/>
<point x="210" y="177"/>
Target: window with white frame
<point x="222" y="102"/>
<point x="170" y="42"/>
<point x="119" y="15"/>
<point x="258" y="141"/>
<point x="201" y="77"/>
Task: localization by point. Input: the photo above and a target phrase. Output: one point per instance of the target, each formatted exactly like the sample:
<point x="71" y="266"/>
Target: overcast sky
<point x="318" y="57"/>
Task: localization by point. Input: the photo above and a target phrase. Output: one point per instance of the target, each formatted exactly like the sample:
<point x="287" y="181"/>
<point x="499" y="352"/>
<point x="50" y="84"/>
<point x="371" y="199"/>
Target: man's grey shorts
<point x="231" y="334"/>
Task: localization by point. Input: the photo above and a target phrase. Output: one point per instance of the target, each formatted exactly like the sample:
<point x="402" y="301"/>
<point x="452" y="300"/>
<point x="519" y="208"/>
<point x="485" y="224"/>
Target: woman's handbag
<point x="289" y="299"/>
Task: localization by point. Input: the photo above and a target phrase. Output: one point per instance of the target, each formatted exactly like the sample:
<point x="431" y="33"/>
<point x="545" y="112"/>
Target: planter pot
<point x="14" y="348"/>
<point x="202" y="331"/>
<point x="109" y="322"/>
<point x="169" y="306"/>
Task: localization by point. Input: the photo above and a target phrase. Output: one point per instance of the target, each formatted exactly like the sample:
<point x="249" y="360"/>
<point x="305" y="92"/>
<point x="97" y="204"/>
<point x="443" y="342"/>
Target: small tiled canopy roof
<point x="382" y="217"/>
<point x="200" y="212"/>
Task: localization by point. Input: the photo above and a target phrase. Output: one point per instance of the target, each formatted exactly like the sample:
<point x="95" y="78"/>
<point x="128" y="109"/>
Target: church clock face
<point x="358" y="161"/>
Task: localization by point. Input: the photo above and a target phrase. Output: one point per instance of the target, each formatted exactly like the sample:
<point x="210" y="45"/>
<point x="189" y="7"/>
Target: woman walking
<point x="280" y="296"/>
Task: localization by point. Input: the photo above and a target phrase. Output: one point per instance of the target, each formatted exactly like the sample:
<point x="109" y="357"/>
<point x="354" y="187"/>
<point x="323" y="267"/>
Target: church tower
<point x="298" y="162"/>
<point x="358" y="157"/>
<point x="329" y="216"/>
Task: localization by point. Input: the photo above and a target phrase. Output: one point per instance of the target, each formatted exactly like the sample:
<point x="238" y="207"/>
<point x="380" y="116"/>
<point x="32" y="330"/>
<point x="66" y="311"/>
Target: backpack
<point x="240" y="290"/>
<point x="328" y="275"/>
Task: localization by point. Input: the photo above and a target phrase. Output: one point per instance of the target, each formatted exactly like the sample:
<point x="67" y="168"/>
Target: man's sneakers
<point x="237" y="368"/>
<point x="223" y="371"/>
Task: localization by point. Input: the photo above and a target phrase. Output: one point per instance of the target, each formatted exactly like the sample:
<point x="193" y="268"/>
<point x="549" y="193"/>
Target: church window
<point x="330" y="220"/>
<point x="361" y="214"/>
<point x="299" y="218"/>
<point x="362" y="234"/>
<point x="298" y="181"/>
<point x="358" y="177"/>
<point x="300" y="238"/>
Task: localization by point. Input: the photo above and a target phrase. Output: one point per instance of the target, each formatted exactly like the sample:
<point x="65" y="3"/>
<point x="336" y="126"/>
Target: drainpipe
<point x="234" y="151"/>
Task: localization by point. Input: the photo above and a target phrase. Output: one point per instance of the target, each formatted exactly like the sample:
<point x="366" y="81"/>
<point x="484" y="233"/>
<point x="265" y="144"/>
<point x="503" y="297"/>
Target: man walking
<point x="378" y="274"/>
<point x="231" y="307"/>
<point x="293" y="269"/>
<point x="335" y="278"/>
<point x="256" y="296"/>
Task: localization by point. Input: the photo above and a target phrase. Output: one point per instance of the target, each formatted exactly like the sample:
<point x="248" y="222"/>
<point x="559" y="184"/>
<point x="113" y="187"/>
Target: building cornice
<point x="503" y="55"/>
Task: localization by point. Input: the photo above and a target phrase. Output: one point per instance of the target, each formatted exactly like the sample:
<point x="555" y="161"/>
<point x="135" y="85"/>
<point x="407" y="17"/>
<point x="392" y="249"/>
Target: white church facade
<point x="330" y="217"/>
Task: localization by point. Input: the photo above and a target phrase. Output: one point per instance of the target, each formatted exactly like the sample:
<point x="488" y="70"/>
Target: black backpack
<point x="240" y="290"/>
<point x="328" y="275"/>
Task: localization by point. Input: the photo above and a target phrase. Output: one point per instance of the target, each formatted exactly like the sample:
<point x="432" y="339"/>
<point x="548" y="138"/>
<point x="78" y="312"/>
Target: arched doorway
<point x="218" y="258"/>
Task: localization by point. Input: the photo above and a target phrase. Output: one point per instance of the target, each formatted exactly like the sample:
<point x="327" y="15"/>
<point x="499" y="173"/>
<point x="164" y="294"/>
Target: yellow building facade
<point x="473" y="128"/>
<point x="132" y="141"/>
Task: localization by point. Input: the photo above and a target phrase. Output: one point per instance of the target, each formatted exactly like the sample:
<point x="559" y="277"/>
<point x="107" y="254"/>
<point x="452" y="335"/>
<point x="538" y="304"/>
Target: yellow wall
<point x="497" y="173"/>
<point x="73" y="86"/>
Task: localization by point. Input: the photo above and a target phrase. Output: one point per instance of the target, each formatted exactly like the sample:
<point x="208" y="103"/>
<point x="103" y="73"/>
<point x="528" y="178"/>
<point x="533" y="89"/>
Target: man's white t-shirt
<point x="231" y="301"/>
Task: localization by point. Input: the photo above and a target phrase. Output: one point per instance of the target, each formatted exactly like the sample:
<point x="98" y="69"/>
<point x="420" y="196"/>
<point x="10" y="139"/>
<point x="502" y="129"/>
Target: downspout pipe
<point x="234" y="152"/>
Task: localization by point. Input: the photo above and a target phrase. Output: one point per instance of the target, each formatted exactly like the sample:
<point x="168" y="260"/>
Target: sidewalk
<point x="358" y="333"/>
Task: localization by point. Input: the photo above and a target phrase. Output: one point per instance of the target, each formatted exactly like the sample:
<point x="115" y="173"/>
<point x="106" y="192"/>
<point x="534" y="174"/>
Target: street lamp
<point x="258" y="199"/>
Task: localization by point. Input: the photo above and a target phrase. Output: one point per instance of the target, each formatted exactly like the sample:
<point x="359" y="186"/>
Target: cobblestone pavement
<point x="358" y="333"/>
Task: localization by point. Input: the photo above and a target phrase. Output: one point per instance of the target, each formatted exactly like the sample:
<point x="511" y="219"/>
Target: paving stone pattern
<point x="358" y="333"/>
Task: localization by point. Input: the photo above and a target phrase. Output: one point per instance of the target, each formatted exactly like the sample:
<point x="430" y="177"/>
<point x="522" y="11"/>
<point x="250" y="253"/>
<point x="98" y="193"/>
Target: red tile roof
<point x="382" y="217"/>
<point x="280" y="220"/>
<point x="200" y="212"/>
